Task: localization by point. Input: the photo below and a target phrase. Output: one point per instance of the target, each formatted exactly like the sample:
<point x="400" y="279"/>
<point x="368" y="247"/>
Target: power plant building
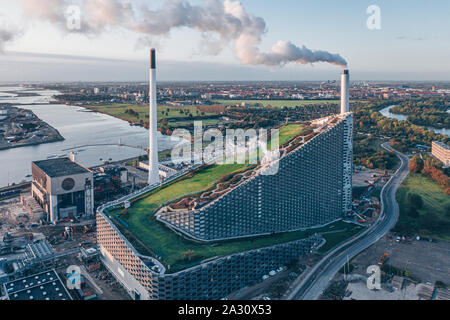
<point x="63" y="188"/>
<point x="311" y="188"/>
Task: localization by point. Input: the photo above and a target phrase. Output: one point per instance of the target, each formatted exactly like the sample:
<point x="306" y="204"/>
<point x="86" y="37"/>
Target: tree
<point x="447" y="211"/>
<point x="415" y="200"/>
<point x="416" y="164"/>
<point x="412" y="212"/>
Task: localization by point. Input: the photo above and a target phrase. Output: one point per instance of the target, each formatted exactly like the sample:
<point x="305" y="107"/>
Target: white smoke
<point x="95" y="15"/>
<point x="220" y="23"/>
<point x="49" y="10"/>
<point x="7" y="34"/>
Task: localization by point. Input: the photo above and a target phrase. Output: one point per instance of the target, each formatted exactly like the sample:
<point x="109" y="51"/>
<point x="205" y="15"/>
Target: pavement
<point x="323" y="272"/>
<point x="359" y="291"/>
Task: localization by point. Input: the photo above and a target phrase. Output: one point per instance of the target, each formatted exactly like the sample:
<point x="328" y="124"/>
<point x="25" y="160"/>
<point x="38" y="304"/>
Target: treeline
<point x="83" y="97"/>
<point x="133" y="113"/>
<point x="441" y="120"/>
<point x="404" y="136"/>
<point x="431" y="112"/>
<point x="216" y="109"/>
<point x="365" y="154"/>
<point x="429" y="106"/>
<point x="430" y="168"/>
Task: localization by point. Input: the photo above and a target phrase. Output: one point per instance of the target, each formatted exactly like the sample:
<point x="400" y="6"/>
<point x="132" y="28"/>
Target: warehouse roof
<point x="60" y="167"/>
<point x="42" y="286"/>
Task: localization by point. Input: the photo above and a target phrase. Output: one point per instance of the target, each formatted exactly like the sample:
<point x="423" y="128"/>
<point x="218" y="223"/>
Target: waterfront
<point x="387" y="113"/>
<point x="79" y="127"/>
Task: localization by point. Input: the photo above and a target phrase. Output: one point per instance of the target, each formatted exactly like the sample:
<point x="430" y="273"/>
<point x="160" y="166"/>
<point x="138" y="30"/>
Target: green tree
<point x="412" y="212"/>
<point x="415" y="200"/>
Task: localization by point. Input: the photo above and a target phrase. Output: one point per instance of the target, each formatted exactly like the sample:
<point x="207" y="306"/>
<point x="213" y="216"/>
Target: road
<point x="323" y="272"/>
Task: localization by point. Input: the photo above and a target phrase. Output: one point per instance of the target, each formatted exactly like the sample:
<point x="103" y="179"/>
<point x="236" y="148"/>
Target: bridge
<point x="119" y="144"/>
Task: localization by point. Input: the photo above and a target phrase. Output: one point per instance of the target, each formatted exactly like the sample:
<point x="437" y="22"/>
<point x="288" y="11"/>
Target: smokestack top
<point x="345" y="71"/>
<point x="152" y="59"/>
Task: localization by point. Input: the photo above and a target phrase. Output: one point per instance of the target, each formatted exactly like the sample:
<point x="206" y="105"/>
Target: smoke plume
<point x="6" y="35"/>
<point x="220" y="23"/>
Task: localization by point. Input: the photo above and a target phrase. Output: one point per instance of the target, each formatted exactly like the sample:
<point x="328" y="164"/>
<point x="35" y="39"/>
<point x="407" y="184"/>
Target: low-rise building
<point x="42" y="286"/>
<point x="441" y="151"/>
<point x="63" y="188"/>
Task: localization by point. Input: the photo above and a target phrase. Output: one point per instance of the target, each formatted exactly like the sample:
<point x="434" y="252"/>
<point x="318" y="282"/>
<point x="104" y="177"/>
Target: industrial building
<point x="145" y="278"/>
<point x="42" y="286"/>
<point x="164" y="172"/>
<point x="441" y="151"/>
<point x="312" y="187"/>
<point x="109" y="181"/>
<point x="63" y="188"/>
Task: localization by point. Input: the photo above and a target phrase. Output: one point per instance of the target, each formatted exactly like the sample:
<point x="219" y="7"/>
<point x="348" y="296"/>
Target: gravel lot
<point x="428" y="261"/>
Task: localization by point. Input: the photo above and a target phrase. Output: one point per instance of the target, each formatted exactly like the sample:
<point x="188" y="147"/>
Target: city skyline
<point x="40" y="49"/>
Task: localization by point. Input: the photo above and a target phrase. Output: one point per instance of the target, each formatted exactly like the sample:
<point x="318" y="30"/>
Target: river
<point x="79" y="127"/>
<point x="387" y="113"/>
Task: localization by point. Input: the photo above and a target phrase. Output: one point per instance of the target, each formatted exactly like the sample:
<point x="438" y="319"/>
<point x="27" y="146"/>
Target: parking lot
<point x="427" y="261"/>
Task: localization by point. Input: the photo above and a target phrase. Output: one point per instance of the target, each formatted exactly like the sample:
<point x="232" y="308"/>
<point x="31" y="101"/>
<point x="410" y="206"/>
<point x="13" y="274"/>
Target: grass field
<point x="341" y="232"/>
<point x="278" y="103"/>
<point x="170" y="113"/>
<point x="434" y="219"/>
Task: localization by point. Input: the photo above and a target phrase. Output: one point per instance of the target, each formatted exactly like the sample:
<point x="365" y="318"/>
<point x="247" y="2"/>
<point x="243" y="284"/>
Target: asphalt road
<point x="323" y="272"/>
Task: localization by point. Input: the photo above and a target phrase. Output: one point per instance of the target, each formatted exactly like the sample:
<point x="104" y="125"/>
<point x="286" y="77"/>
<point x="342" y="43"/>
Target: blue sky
<point x="413" y="44"/>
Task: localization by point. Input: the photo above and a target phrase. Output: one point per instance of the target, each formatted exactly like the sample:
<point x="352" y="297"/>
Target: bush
<point x="412" y="212"/>
<point x="415" y="200"/>
<point x="440" y="284"/>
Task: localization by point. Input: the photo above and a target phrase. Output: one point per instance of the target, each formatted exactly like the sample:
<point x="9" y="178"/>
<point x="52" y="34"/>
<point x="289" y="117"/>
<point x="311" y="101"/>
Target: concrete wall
<point x="80" y="179"/>
<point x="123" y="276"/>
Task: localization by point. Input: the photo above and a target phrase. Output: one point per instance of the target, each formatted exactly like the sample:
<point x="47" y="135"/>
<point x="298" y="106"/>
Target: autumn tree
<point x="416" y="164"/>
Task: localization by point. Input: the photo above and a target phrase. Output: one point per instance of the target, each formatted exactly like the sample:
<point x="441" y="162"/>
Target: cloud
<point x="7" y="34"/>
<point x="220" y="23"/>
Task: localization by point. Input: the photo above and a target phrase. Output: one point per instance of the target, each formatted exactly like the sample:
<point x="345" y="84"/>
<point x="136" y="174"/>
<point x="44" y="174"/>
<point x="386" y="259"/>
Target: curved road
<point x="318" y="278"/>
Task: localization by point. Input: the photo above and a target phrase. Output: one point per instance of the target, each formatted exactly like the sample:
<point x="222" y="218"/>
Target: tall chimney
<point x="345" y="82"/>
<point x="153" y="173"/>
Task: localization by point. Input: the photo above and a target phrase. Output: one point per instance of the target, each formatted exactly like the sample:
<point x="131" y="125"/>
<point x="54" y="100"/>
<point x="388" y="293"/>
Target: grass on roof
<point x="151" y="237"/>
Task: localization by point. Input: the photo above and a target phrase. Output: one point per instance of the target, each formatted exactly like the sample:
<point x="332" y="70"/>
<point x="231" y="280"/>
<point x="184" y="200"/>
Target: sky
<point x="412" y="44"/>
